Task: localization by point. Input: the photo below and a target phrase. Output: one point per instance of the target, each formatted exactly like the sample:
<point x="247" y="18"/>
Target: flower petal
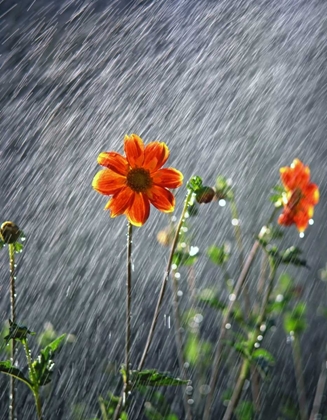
<point x="311" y="194"/>
<point x="120" y="202"/>
<point x="168" y="178"/>
<point x="108" y="182"/>
<point x="298" y="175"/>
<point x="155" y="155"/>
<point x="138" y="212"/>
<point x="161" y="198"/>
<point x="134" y="150"/>
<point x="113" y="161"/>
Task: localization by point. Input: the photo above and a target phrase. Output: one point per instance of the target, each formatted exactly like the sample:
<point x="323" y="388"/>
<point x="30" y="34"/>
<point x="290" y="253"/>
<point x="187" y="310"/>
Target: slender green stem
<point x="164" y="282"/>
<point x="128" y="310"/>
<point x="33" y="379"/>
<point x="246" y="362"/>
<point x="179" y="344"/>
<point x="123" y="398"/>
<point x="12" y="392"/>
<point x="223" y="331"/>
<point x="296" y="349"/>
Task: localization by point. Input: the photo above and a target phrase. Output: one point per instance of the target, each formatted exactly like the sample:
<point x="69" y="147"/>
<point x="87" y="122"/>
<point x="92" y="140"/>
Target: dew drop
<point x="222" y="203"/>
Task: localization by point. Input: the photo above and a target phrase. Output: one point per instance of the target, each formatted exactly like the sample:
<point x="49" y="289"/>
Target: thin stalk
<point x="12" y="391"/>
<point x="164" y="282"/>
<point x="179" y="344"/>
<point x="33" y="379"/>
<point x="223" y="331"/>
<point x="123" y="398"/>
<point x="160" y="298"/>
<point x="296" y="349"/>
<point x="128" y="310"/>
<point x="319" y="392"/>
<point x="246" y="362"/>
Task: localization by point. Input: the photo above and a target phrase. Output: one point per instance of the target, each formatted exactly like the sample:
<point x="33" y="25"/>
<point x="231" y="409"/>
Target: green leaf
<point x="192" y="349"/>
<point x="292" y="256"/>
<point x="7" y="368"/>
<point x="184" y="258"/>
<point x="151" y="377"/>
<point x="18" y="247"/>
<point x="43" y="365"/>
<point x="244" y="411"/>
<point x="207" y="296"/>
<point x="295" y="321"/>
<point x="223" y="189"/>
<point x="195" y="184"/>
<point x="263" y="354"/>
<point x="218" y="255"/>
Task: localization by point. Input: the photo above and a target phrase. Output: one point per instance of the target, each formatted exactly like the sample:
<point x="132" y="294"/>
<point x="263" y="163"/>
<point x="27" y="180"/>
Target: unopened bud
<point x="205" y="195"/>
<point x="9" y="232"/>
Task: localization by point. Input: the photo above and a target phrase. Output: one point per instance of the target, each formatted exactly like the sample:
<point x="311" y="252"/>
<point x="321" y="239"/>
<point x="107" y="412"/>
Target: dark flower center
<point x="139" y="179"/>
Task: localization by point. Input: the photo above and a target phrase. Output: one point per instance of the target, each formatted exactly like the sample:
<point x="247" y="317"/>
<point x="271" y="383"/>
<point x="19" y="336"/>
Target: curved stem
<point x="223" y="331"/>
<point x="12" y="392"/>
<point x="33" y="379"/>
<point x="164" y="282"/>
<point x="246" y="362"/>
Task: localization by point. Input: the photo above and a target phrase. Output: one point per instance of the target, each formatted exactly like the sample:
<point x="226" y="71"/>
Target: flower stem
<point x="33" y="379"/>
<point x="246" y="362"/>
<point x="123" y="398"/>
<point x="179" y="345"/>
<point x="128" y="310"/>
<point x="223" y="331"/>
<point x="319" y="392"/>
<point x="296" y="349"/>
<point x="12" y="392"/>
<point x="164" y="281"/>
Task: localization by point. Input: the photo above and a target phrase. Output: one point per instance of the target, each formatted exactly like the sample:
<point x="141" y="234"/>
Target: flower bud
<point x="205" y="195"/>
<point x="9" y="232"/>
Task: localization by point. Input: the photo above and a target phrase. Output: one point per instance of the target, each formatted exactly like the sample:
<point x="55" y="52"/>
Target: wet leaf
<point x="195" y="184"/>
<point x="263" y="354"/>
<point x="151" y="377"/>
<point x="218" y="255"/>
<point x="7" y="368"/>
<point x="17" y="332"/>
<point x="44" y="364"/>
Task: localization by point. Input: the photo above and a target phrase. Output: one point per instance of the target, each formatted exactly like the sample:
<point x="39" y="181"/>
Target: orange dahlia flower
<point x="137" y="180"/>
<point x="300" y="195"/>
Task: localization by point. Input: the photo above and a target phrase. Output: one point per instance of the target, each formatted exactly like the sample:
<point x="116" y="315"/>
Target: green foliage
<point x="294" y="321"/>
<point x="277" y="195"/>
<point x="182" y="257"/>
<point x="208" y="297"/>
<point x="263" y="354"/>
<point x="218" y="255"/>
<point x="17" y="332"/>
<point x="244" y="411"/>
<point x="195" y="184"/>
<point x="108" y="407"/>
<point x="289" y="256"/>
<point x="151" y="377"/>
<point x="157" y="408"/>
<point x="223" y="189"/>
<point x="196" y="350"/>
<point x="7" y="368"/>
<point x="43" y="365"/>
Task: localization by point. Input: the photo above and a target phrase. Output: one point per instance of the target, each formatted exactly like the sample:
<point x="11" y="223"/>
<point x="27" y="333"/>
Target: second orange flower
<point x="137" y="180"/>
<point x="300" y="195"/>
